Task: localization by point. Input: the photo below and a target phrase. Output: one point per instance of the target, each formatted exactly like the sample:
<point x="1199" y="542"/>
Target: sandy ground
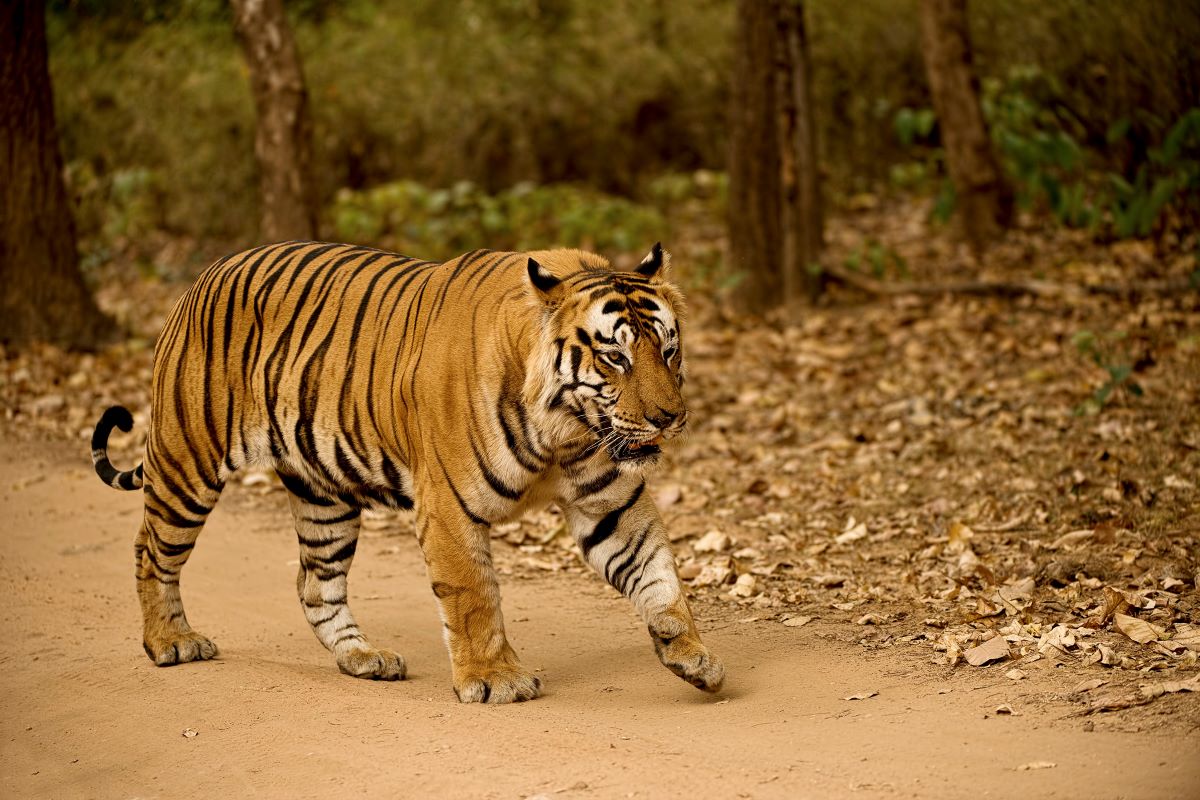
<point x="83" y="713"/>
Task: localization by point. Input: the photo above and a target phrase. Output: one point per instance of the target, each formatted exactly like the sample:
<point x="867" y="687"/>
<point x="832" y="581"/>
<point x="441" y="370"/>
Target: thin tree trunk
<point x="283" y="139"/>
<point x="983" y="197"/>
<point x="775" y="220"/>
<point x="42" y="293"/>
<point x="803" y="223"/>
<point x="755" y="240"/>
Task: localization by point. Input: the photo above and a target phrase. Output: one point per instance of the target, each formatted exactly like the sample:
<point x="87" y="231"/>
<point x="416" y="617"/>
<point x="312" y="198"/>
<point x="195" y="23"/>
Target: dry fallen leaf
<point x="1139" y="630"/>
<point x="861" y="696"/>
<point x="190" y="733"/>
<point x="959" y="537"/>
<point x="994" y="649"/>
<point x="1088" y="685"/>
<point x="744" y="586"/>
<point x="852" y="533"/>
<point x="1152" y="690"/>
<point x="1186" y="636"/>
<point x="712" y="542"/>
<point x="1058" y="640"/>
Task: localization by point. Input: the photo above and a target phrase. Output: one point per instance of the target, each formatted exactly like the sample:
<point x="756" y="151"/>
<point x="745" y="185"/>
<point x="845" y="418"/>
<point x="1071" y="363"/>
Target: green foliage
<point x="1171" y="173"/>
<point x="1037" y="139"/>
<point x="167" y="109"/>
<point x="878" y="259"/>
<point x="439" y="223"/>
<point x="611" y="95"/>
<point x="914" y="123"/>
<point x="1105" y="353"/>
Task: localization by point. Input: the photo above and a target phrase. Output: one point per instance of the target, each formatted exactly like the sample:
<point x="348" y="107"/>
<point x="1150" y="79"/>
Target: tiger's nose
<point x="662" y="418"/>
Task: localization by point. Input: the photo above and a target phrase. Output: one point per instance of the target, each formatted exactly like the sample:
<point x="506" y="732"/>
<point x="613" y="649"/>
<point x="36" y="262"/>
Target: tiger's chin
<point x="636" y="455"/>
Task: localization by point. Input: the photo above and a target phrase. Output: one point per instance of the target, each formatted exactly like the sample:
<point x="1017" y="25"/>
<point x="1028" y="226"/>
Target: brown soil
<point x="84" y="713"/>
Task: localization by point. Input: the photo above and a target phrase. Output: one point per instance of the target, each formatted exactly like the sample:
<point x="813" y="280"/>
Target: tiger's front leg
<point x="458" y="557"/>
<point x="623" y="537"/>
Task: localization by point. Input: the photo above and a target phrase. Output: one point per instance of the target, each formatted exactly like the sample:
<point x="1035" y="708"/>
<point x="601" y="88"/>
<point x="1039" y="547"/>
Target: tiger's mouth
<point x="631" y="451"/>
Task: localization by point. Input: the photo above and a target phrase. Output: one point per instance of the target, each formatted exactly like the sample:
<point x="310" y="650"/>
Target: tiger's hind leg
<point x="328" y="533"/>
<point x="172" y="522"/>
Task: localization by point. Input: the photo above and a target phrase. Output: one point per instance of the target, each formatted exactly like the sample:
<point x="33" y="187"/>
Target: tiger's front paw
<point x="179" y="647"/>
<point x="688" y="658"/>
<point x="367" y="662"/>
<point x="511" y="684"/>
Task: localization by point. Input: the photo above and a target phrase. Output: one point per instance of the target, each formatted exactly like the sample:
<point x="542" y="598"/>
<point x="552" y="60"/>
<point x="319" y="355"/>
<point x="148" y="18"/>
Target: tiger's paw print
<point x="690" y="660"/>
<point x="365" y="661"/>
<point x="179" y="647"/>
<point x="503" y="685"/>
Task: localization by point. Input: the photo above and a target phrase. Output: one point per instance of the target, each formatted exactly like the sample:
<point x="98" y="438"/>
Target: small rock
<point x="190" y="733"/>
<point x="1015" y="674"/>
<point x="796" y="622"/>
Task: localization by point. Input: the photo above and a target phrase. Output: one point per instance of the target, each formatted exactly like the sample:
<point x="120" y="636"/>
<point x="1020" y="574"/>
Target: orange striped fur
<point x="470" y="390"/>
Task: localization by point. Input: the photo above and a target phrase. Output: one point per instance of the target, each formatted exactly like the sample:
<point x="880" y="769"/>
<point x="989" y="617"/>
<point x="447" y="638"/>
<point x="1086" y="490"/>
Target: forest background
<point x="441" y="126"/>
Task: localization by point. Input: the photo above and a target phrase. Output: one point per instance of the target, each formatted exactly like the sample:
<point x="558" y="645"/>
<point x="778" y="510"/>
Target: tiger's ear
<point x="656" y="262"/>
<point x="545" y="284"/>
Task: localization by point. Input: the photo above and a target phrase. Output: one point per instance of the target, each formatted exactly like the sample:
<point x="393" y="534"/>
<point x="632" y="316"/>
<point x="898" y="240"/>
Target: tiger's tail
<point x="115" y="417"/>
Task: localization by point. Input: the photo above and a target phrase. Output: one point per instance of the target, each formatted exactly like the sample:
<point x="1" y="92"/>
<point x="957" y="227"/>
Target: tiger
<point x="468" y="391"/>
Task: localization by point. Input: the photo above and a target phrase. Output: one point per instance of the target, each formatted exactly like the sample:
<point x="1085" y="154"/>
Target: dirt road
<point x="83" y="713"/>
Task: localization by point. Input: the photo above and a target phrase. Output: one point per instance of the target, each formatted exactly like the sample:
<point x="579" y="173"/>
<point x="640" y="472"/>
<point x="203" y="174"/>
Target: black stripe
<point x="607" y="526"/>
<point x="296" y="485"/>
<point x="341" y="554"/>
<point x="498" y="486"/>
<point x="171" y="550"/>
<point x="597" y="484"/>
<point x="621" y="574"/>
<point x="346" y="517"/>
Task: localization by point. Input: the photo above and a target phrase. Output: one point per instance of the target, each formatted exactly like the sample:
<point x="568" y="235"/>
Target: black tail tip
<point x="118" y="416"/>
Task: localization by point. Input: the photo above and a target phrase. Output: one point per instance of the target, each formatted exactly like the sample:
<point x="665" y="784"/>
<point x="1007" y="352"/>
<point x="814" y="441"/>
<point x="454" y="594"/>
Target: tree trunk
<point x="755" y="238"/>
<point x="983" y="197"/>
<point x="775" y="227"/>
<point x="42" y="293"/>
<point x="283" y="139"/>
<point x="803" y="221"/>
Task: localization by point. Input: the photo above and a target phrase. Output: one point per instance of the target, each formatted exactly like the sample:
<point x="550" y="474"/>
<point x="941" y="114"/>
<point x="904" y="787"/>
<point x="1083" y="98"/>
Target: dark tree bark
<point x="983" y="197"/>
<point x="42" y="293"/>
<point x="283" y="139"/>
<point x="774" y="193"/>
<point x="803" y="219"/>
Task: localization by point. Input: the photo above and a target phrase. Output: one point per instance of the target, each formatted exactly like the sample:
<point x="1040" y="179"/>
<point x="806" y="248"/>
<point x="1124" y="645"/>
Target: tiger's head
<point x="611" y="354"/>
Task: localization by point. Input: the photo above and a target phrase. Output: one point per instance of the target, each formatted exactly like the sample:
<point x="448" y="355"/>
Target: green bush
<point x="439" y="223"/>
